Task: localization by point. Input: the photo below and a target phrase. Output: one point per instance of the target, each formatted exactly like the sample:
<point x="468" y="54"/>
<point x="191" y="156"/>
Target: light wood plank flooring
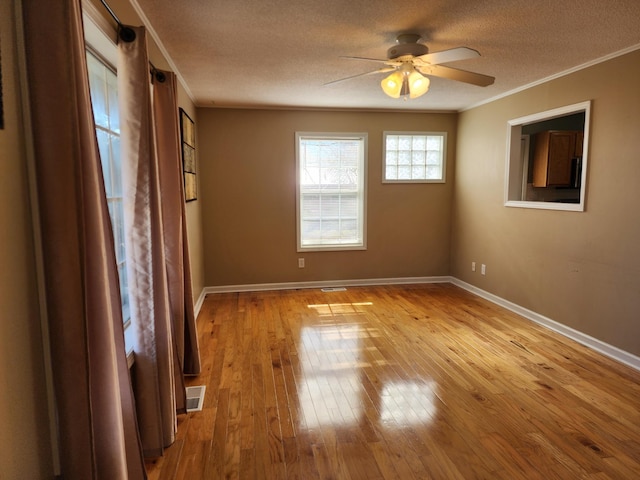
<point x="402" y="382"/>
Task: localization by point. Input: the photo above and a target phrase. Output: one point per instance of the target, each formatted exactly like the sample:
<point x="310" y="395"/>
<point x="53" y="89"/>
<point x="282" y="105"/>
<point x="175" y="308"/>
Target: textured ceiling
<point x="279" y="53"/>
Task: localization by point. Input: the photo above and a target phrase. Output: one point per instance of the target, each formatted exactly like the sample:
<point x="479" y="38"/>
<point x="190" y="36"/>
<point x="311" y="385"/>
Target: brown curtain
<point x="156" y="246"/>
<point x="96" y="414"/>
<point x="165" y="107"/>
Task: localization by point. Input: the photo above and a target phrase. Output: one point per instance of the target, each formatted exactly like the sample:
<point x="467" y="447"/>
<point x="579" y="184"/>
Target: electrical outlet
<point x="301" y="263"/>
<point x="483" y="269"/>
<point x="473" y="266"/>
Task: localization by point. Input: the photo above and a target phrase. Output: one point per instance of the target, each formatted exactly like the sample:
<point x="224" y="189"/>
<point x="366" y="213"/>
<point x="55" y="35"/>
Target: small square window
<point x="414" y="157"/>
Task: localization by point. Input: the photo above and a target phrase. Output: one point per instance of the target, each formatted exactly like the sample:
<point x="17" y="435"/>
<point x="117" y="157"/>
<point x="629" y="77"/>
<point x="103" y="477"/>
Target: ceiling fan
<point x="408" y="63"/>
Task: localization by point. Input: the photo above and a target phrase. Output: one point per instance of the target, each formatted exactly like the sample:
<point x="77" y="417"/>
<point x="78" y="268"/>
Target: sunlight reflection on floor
<point x="336" y="359"/>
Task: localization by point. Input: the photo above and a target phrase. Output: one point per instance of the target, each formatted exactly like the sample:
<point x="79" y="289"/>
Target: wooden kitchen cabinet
<point x="553" y="157"/>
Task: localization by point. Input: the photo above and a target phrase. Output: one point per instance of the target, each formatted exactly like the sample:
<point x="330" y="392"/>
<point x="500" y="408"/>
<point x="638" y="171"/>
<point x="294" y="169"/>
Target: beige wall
<point x="25" y="451"/>
<point x="579" y="269"/>
<point x="247" y="170"/>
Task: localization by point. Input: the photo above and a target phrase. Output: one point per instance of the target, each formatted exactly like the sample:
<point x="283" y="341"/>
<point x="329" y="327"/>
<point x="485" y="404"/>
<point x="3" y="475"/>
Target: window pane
<point x="418" y="171"/>
<point x="310" y="206"/>
<point x="434" y="143"/>
<point x="418" y="157"/>
<point x="404" y="157"/>
<point x="411" y="153"/>
<point x="103" y="147"/>
<point x="349" y="206"/>
<point x="392" y="157"/>
<point x="404" y="142"/>
<point x="97" y="86"/>
<point x="434" y="172"/>
<point x="419" y="142"/>
<point x="310" y="230"/>
<point x="118" y="230"/>
<point x="124" y="291"/>
<point x="112" y="94"/>
<point x="404" y="172"/>
<point x="116" y="165"/>
<point x="331" y="231"/>
<point x="434" y="158"/>
<point x="349" y="229"/>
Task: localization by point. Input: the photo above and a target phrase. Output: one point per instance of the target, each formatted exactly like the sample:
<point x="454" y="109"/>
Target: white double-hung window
<point x="331" y="195"/>
<point x="104" y="99"/>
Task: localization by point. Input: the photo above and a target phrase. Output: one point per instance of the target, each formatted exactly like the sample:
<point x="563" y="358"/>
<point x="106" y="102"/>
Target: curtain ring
<point x="159" y="76"/>
<point x="126" y="34"/>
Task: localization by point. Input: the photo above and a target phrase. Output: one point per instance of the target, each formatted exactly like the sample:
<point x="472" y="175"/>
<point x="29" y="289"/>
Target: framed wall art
<point x="1" y="108"/>
<point x="188" y="137"/>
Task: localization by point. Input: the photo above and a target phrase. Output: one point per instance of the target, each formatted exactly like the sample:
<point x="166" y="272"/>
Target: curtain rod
<point x="111" y="12"/>
<point x="127" y="34"/>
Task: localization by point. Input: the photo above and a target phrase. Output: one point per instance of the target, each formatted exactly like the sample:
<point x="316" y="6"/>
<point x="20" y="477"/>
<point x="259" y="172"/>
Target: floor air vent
<point x="195" y="398"/>
<point x="334" y="289"/>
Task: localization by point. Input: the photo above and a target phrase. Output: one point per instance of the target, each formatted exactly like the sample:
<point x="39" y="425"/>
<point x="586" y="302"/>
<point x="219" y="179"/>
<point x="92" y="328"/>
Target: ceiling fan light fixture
<point x="405" y="81"/>
<point x="392" y="85"/>
<point x="418" y="84"/>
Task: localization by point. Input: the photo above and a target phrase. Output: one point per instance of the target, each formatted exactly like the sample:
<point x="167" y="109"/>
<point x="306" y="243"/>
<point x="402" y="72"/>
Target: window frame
<point x="442" y="179"/>
<point x="514" y="165"/>
<point x="362" y="190"/>
<point x="114" y="201"/>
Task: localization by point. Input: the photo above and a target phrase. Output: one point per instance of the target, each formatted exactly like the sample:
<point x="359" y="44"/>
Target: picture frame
<point x="189" y="167"/>
<point x="1" y="104"/>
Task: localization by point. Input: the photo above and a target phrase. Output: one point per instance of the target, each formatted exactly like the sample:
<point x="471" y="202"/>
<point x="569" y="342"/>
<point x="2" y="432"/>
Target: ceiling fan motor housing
<point x="407" y="46"/>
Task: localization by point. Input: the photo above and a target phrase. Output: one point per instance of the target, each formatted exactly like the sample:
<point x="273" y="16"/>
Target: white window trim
<point x="514" y="166"/>
<point x="99" y="34"/>
<point x="444" y="157"/>
<point x="363" y="185"/>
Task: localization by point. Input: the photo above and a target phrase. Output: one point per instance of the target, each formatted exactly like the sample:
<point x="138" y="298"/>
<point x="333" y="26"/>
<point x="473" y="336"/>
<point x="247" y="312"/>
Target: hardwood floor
<point x="420" y="381"/>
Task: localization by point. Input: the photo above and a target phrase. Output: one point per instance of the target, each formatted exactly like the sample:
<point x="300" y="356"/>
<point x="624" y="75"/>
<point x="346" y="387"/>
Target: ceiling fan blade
<point x="446" y="56"/>
<point x="386" y="62"/>
<point x="381" y="70"/>
<point x="456" y="74"/>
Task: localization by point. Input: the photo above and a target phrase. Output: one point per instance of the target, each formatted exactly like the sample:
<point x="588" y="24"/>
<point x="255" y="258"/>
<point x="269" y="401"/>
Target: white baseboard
<point x="593" y="343"/>
<point x="259" y="287"/>
<point x="198" y="304"/>
<point x="610" y="351"/>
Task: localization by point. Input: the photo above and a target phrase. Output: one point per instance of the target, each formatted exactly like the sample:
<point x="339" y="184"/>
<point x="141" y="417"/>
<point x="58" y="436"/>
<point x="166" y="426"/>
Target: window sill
<point x="130" y="359"/>
<point x="330" y="248"/>
<point x="567" y="207"/>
